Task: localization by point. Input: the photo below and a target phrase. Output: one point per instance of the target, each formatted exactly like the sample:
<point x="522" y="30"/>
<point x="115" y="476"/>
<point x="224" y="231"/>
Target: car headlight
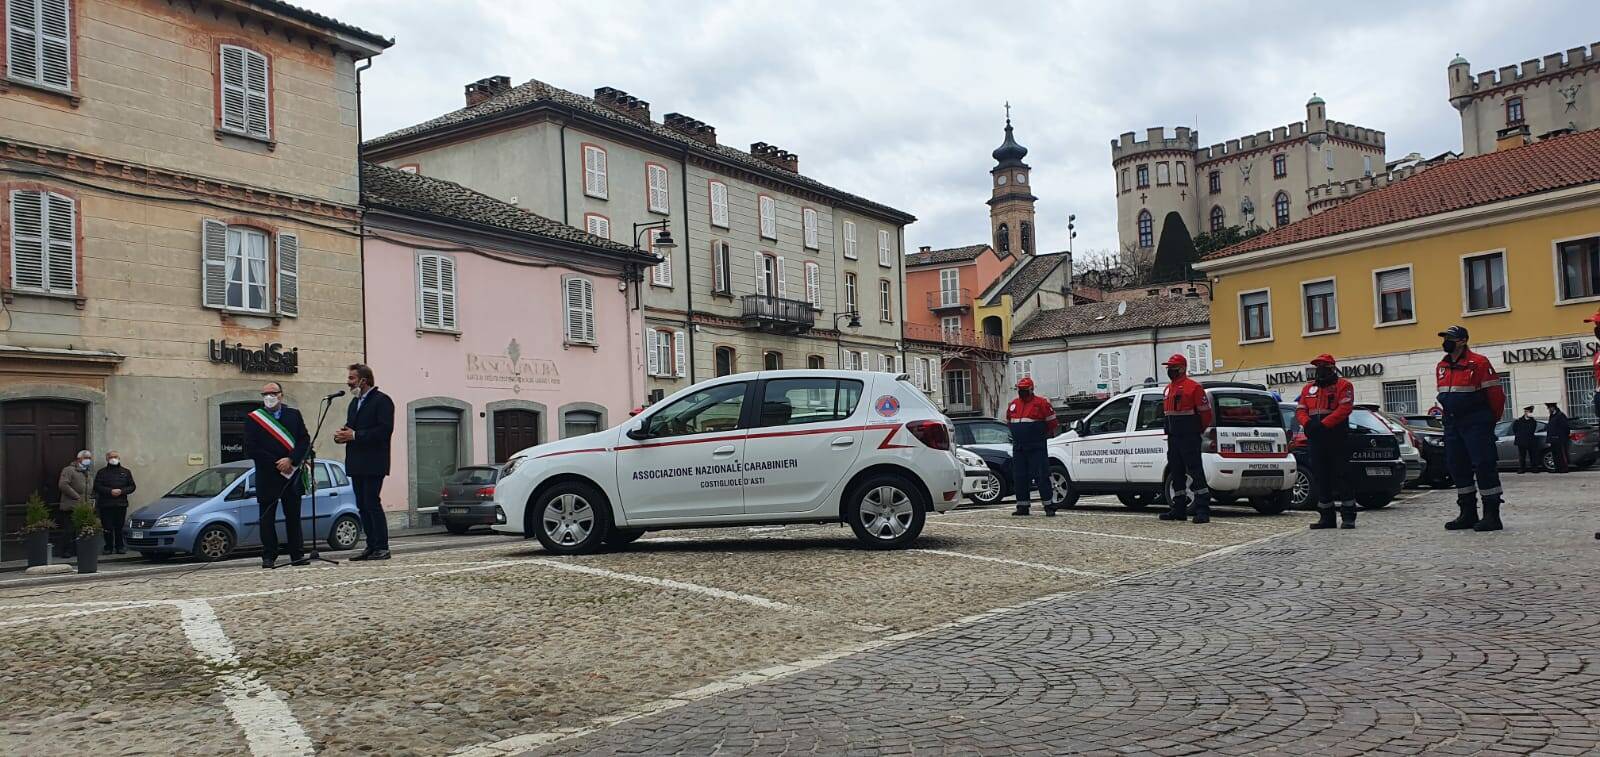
<point x="511" y="465"/>
<point x="171" y="521"/>
<point x="969" y="459"/>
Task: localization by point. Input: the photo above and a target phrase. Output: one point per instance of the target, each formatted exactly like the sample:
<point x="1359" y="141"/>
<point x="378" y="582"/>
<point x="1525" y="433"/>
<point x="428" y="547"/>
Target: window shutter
<point x="680" y="342"/>
<point x="719" y="267"/>
<point x="652" y="352"/>
<point x="447" y="292"/>
<point x="783" y="280"/>
<point x="883" y="363"/>
<point x="768" y="209"/>
<point x="214" y="264"/>
<point x="883" y="248"/>
<point x="1394" y="281"/>
<point x="233" y="88"/>
<point x="916" y="373"/>
<point x="850" y="239"/>
<point x="22" y="45"/>
<point x="27" y="240"/>
<point x="586" y="287"/>
<point x="429" y="301"/>
<point x="809" y="219"/>
<point x="255" y="95"/>
<point x="580" y="309"/>
<point x="55" y="44"/>
<point x="719" y="204"/>
<point x="660" y="200"/>
<point x="761" y="274"/>
<point x="594" y="171"/>
<point x="289" y="275"/>
<point x="661" y="273"/>
<point x="599" y="226"/>
<point x="814" y="284"/>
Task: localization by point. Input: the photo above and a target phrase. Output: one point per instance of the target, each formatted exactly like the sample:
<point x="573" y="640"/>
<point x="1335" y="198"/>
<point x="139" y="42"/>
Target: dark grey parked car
<point x="1582" y="451"/>
<point x="468" y="498"/>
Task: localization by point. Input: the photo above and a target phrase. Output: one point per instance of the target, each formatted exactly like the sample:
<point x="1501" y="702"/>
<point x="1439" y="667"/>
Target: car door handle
<point x="724" y="451"/>
<point x="843" y="442"/>
<point x="1116" y="441"/>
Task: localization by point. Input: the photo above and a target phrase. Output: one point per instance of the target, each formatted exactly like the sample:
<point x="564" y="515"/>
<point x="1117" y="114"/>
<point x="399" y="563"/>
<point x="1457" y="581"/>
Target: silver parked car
<point x="1582" y="451"/>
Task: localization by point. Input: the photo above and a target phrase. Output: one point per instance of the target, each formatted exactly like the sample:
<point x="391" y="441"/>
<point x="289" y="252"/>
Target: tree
<point x="1206" y="242"/>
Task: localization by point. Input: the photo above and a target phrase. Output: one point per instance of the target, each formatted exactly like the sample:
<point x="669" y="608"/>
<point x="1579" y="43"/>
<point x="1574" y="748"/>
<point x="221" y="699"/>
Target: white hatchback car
<point x="801" y="446"/>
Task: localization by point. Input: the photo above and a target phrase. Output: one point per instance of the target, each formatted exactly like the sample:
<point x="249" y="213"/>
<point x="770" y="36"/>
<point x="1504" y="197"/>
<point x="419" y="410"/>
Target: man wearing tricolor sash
<point x="275" y="437"/>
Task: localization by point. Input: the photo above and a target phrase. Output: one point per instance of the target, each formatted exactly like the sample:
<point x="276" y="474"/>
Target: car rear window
<point x="1246" y="410"/>
<point x="1368" y="420"/>
<point x="473" y="476"/>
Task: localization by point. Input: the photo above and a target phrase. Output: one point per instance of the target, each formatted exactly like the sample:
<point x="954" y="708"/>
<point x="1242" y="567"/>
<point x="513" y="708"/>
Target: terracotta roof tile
<point x="1556" y="163"/>
<point x="1029" y="277"/>
<point x="1102" y="317"/>
<point x="941" y="257"/>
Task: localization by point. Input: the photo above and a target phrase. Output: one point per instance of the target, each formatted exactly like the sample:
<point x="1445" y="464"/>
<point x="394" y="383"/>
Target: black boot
<point x="1347" y="515"/>
<point x="1467" y="519"/>
<point x="1022" y="509"/>
<point x="1324" y="517"/>
<point x="1178" y="510"/>
<point x="1202" y="513"/>
<point x="1491" y="517"/>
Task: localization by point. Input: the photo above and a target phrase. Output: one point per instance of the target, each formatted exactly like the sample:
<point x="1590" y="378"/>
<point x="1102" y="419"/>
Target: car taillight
<point x="1208" y="441"/>
<point x="932" y="434"/>
<point x="1577" y="436"/>
<point x="1299" y="440"/>
<point x="444" y="494"/>
<point x="1412" y="437"/>
<point x="486" y="492"/>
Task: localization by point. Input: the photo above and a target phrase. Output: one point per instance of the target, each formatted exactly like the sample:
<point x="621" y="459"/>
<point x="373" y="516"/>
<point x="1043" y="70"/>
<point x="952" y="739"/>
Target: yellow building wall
<point x="1437" y="294"/>
<point x="1002" y="309"/>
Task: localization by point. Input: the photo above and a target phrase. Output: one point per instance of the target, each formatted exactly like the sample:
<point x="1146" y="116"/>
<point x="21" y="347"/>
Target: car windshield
<point x="1368" y="420"/>
<point x="207" y="483"/>
<point x="473" y="476"/>
<point x="1246" y="409"/>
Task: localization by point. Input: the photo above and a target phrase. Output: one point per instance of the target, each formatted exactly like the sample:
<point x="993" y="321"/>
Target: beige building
<point x="181" y="224"/>
<point x="1538" y="98"/>
<point x="767" y="264"/>
<point x="1262" y="180"/>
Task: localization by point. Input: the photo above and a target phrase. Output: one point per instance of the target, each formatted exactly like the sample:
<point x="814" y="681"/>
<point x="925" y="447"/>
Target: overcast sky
<point x="902" y="102"/>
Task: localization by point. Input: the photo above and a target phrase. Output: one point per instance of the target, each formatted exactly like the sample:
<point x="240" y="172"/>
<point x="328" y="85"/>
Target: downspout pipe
<point x="688" y="262"/>
<point x="361" y="237"/>
<point x="566" y="213"/>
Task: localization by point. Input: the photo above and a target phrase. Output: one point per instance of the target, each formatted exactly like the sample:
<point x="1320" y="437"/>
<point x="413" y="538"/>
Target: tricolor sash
<point x="273" y="428"/>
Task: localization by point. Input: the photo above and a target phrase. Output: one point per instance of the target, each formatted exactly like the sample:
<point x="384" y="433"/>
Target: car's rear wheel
<point x="886" y="512"/>
<point x="456" y="528"/>
<point x="1374" y="501"/>
<point x="1138" y="501"/>
<point x="1300" y="495"/>
<point x="1548" y="460"/>
<point x="1273" y="504"/>
<point x="571" y="518"/>
<point x="345" y="533"/>
<point x="214" y="543"/>
<point x="622" y="537"/>
<point x="992" y="489"/>
<point x="1061" y="488"/>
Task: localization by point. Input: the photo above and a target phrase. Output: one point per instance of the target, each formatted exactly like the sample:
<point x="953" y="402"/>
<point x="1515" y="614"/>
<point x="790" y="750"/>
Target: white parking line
<point x="1047" y="529"/>
<point x="1018" y="563"/>
<point x="749" y="599"/>
<point x="269" y="727"/>
<point x="1086" y="514"/>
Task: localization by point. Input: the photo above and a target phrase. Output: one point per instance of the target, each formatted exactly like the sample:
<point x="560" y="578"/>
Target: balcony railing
<point x="777" y="314"/>
<point x="960" y="338"/>
<point x="950" y="299"/>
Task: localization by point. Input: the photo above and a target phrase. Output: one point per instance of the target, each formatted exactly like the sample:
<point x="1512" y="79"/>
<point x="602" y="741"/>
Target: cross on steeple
<point x="1008" y="112"/>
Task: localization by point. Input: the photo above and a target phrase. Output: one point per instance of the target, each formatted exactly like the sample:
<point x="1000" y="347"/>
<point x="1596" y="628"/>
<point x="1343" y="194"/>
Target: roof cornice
<point x="406" y="220"/>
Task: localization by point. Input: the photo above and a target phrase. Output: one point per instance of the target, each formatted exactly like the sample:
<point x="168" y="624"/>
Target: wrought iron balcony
<point x="950" y="300"/>
<point x="956" y="338"/>
<point x="777" y="314"/>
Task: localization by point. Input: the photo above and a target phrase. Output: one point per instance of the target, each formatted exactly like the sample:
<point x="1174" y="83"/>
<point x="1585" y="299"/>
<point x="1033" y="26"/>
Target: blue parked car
<point x="214" y="514"/>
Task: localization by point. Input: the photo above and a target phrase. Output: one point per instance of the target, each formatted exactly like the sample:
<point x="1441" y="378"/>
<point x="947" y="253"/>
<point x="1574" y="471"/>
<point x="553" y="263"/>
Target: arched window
<point x="1027" y="237"/>
<point x="772" y="361"/>
<point x="1002" y="239"/>
<point x="1147" y="233"/>
<point x="1219" y="219"/>
<point x="1280" y="208"/>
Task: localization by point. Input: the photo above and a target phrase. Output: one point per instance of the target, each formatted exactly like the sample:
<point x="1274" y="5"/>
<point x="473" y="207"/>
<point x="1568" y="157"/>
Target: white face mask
<point x="114" y="461"/>
<point x="84" y="464"/>
<point x="271" y="401"/>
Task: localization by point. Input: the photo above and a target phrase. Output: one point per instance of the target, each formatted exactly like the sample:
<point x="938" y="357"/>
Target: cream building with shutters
<point x="767" y="263"/>
<point x="181" y="224"/>
<point x="1539" y="98"/>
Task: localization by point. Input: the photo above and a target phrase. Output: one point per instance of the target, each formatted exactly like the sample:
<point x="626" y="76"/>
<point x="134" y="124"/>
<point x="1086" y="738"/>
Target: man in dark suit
<point x="1557" y="434"/>
<point x="367" y="428"/>
<point x="275" y="438"/>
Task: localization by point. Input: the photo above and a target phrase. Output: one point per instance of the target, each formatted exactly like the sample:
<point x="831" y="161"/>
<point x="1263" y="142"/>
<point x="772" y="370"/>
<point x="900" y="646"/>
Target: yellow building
<point x="1506" y="244"/>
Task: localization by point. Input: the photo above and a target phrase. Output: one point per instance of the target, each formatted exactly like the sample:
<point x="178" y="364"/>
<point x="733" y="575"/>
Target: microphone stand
<point x="311" y="468"/>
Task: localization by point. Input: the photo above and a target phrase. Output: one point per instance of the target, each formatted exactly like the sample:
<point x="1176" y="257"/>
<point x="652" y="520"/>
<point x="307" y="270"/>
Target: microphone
<point x="335" y="395"/>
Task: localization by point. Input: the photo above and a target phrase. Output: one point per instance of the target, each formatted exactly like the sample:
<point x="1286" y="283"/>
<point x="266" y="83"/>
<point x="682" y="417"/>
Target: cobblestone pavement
<point x="488" y="647"/>
<point x="1395" y="638"/>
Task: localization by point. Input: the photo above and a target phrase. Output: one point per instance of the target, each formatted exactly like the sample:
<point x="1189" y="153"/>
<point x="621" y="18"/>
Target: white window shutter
<point x="214" y="264"/>
<point x="594" y="171"/>
<point x="814" y="284"/>
<point x="661" y="273"/>
<point x="883" y="248"/>
<point x="55" y="43"/>
<point x="429" y="307"/>
<point x="809" y="221"/>
<point x="599" y="226"/>
<point x="768" y="210"/>
<point x="289" y="275"/>
<point x="233" y="88"/>
<point x="257" y="122"/>
<point x="719" y="268"/>
<point x="587" y="288"/>
<point x="447" y="292"/>
<point x="850" y="239"/>
<point x="660" y="199"/>
<point x="916" y="372"/>
<point x="680" y="345"/>
<point x="653" y="352"/>
<point x="783" y="280"/>
<point x="761" y="274"/>
<point x="579" y="309"/>
<point x="883" y="363"/>
<point x="22" y="40"/>
<point x="719" y="204"/>
<point x="27" y="240"/>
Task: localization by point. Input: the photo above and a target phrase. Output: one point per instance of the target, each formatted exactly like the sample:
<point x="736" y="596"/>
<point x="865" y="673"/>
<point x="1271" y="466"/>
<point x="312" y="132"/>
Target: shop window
<point x="1400" y="397"/>
<point x="579" y="422"/>
<point x="1580" y="387"/>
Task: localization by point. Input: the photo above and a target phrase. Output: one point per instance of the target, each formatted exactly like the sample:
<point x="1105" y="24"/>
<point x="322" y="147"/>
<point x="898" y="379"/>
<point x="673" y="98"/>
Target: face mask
<point x="1024" y="393"/>
<point x="84" y="464"/>
<point x="1449" y="346"/>
<point x="114" y="461"/>
<point x="1174" y="373"/>
<point x="271" y="401"/>
<point x="1325" y="375"/>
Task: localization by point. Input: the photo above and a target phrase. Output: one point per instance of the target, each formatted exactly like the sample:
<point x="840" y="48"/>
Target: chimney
<point x="776" y="156"/>
<point x="698" y="131"/>
<point x="925" y="249"/>
<point x="486" y="88"/>
<point x="1511" y="136"/>
<point x="623" y="103"/>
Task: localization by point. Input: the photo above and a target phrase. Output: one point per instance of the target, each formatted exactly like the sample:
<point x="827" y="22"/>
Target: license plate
<point x="1373" y="470"/>
<point x="456" y="510"/>
<point x="1255" y="446"/>
<point x="137" y="535"/>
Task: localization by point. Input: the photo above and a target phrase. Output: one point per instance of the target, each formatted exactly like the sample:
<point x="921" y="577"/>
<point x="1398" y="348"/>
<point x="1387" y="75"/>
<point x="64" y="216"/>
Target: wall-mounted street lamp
<point x="662" y="241"/>
<point x="855" y="323"/>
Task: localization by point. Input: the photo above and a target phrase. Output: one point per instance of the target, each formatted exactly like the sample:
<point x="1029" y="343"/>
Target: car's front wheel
<point x="886" y="512"/>
<point x="1300" y="495"/>
<point x="345" y="532"/>
<point x="991" y="489"/>
<point x="571" y="518"/>
<point x="1062" y="491"/>
<point x="214" y="543"/>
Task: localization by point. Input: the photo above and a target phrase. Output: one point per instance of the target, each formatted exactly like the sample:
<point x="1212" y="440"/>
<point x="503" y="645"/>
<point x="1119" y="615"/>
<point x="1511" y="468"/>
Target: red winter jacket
<point x="1187" y="407"/>
<point x="1328" y="405"/>
<point x="1469" y="385"/>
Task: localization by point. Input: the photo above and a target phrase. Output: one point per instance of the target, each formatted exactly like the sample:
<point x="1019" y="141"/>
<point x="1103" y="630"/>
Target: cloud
<point x="901" y="102"/>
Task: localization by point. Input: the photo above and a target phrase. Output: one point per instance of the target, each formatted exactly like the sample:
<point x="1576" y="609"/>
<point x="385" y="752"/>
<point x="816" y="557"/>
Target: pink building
<point x="493" y="329"/>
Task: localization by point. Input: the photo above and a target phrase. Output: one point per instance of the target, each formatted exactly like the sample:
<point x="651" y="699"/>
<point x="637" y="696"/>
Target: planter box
<point x="38" y="546"/>
<point x="89" y="554"/>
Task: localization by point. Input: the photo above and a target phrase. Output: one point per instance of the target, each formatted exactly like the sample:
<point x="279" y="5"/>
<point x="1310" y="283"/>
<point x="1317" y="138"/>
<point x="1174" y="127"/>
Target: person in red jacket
<point x="1188" y="415"/>
<point x="1324" y="413"/>
<point x="1472" y="398"/>
<point x="1033" y="422"/>
<point x="1595" y="320"/>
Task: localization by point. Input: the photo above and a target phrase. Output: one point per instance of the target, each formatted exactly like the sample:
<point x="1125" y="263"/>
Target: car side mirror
<point x="638" y="434"/>
<point x="1080" y="429"/>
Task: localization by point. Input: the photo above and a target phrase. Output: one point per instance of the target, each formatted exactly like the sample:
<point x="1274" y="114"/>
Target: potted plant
<point x="86" y="526"/>
<point x="36" y="525"/>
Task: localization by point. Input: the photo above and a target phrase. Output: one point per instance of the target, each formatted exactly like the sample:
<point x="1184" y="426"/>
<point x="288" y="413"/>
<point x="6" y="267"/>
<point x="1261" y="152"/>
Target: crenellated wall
<point x="1549" y="96"/>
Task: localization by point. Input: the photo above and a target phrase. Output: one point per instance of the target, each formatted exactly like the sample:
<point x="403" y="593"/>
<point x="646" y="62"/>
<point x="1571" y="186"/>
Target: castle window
<point x="1147" y="233"/>
<point x="1163" y="174"/>
<point x="1280" y="166"/>
<point x="1215" y="180"/>
<point x="1125" y="186"/>
<point x="1366" y="165"/>
<point x="1027" y="237"/>
<point x="1513" y="111"/>
<point x="1280" y="208"/>
<point x="1002" y="239"/>
<point x="1219" y="219"/>
<point x="1144" y="175"/>
<point x="1183" y="173"/>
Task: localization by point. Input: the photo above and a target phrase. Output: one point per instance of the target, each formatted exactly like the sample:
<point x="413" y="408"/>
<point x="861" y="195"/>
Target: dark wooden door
<point x="40" y="438"/>
<point x="514" y="431"/>
<point x="231" y="421"/>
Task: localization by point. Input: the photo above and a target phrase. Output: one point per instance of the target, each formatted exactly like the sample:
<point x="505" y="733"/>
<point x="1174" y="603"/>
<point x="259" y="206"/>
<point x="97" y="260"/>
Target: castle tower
<point x="1011" y="204"/>
<point x="1316" y="120"/>
<point x="1157" y="180"/>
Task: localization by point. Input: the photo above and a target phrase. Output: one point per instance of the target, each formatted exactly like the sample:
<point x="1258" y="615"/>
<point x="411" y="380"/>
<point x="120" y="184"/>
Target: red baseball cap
<point x="1593" y="318"/>
<point x="1178" y="360"/>
<point x="1025" y="383"/>
<point x="1323" y="359"/>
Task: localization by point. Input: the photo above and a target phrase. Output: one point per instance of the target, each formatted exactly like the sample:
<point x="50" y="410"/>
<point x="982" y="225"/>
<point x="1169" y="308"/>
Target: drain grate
<point x="1271" y="552"/>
